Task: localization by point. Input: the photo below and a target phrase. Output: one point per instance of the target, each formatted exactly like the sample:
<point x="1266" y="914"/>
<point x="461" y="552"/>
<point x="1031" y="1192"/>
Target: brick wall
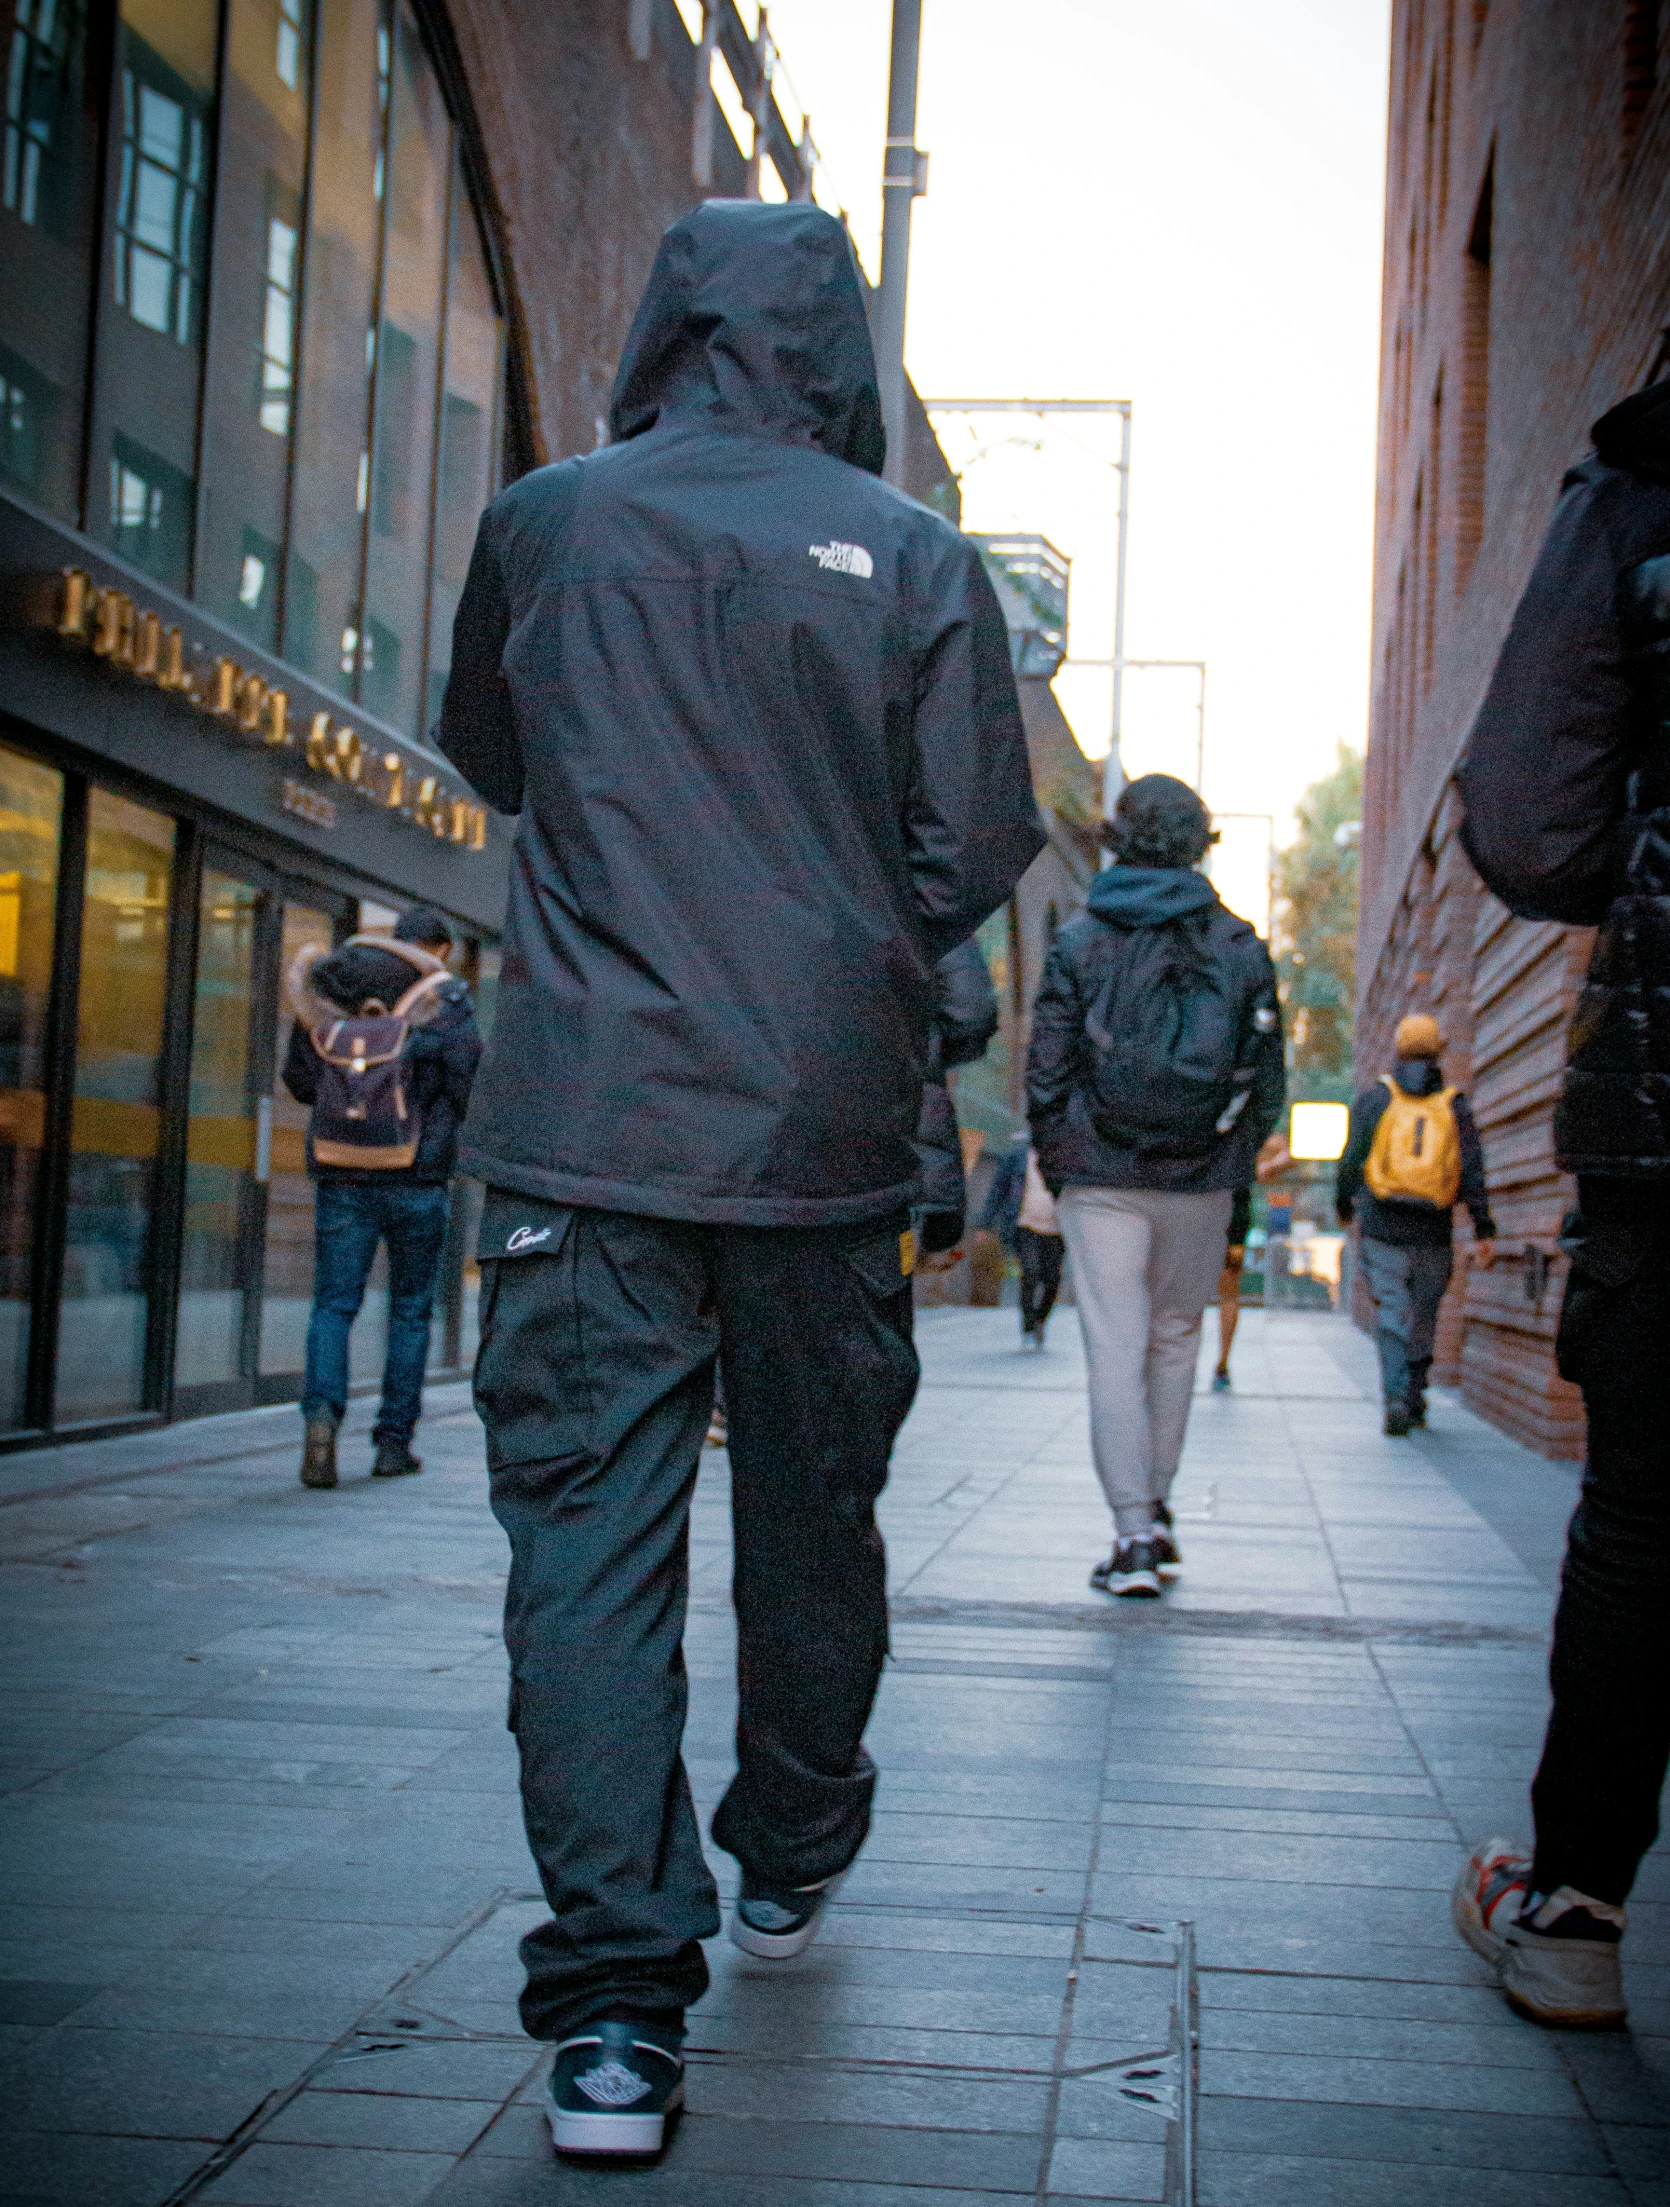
<point x="587" y="152"/>
<point x="1526" y="282"/>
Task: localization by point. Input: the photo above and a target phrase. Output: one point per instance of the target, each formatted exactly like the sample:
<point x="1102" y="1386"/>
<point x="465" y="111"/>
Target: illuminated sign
<point x="138" y="644"/>
<point x="1318" y="1131"/>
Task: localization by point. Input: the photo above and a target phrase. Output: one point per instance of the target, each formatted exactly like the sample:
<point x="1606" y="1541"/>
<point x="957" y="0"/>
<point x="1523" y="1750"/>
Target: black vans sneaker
<point x="1398" y="1421"/>
<point x="612" y="2089"/>
<point x="777" y="1922"/>
<point x="1132" y="1569"/>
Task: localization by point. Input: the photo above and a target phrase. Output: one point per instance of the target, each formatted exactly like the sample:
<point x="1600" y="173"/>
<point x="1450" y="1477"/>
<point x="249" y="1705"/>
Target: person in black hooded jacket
<point x="1152" y="992"/>
<point x="1566" y="790"/>
<point x="755" y="709"/>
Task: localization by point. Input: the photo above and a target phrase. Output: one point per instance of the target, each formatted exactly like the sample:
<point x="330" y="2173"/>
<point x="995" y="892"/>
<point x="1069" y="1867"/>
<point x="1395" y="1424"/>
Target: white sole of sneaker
<point x="1566" y="1984"/>
<point x="1142" y="1586"/>
<point x="1464" y="1914"/>
<point x="782" y="1946"/>
<point x="605" y="2133"/>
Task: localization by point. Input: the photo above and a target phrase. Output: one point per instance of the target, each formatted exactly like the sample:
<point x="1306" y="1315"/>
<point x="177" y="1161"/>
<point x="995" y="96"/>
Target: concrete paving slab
<point x="304" y="1744"/>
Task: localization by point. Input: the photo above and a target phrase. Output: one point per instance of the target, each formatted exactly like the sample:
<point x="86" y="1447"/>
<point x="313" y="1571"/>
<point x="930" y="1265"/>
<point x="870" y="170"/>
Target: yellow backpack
<point x="1417" y="1148"/>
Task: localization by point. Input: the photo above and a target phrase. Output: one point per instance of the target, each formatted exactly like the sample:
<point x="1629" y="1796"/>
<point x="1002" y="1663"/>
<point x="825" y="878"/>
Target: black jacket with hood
<point x="444" y="1048"/>
<point x="1566" y="781"/>
<point x="756" y="711"/>
<point x="962" y="1024"/>
<point x="1080" y="967"/>
<point x="1409" y="1222"/>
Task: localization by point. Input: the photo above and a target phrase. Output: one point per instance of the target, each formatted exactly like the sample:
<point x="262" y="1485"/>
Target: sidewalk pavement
<point x="266" y="1871"/>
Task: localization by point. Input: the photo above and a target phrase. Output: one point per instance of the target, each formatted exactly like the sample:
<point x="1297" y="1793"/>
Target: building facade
<point x="288" y="289"/>
<point x="1526" y="286"/>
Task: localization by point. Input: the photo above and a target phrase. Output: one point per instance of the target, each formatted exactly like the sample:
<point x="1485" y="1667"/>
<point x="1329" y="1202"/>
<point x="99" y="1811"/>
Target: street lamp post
<point x="1112" y="776"/>
<point x="1119" y="665"/>
<point x="904" y="178"/>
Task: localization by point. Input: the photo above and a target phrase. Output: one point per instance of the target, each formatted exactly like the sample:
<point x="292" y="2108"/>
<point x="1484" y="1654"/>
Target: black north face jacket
<point x="1566" y="781"/>
<point x="755" y="709"/>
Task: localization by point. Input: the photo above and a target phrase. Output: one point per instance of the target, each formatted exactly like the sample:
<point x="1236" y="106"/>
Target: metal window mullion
<point x="102" y="56"/>
<point x="205" y="348"/>
<point x="450" y="217"/>
<point x="166" y="1237"/>
<point x="52" y="1187"/>
<point x="389" y="11"/>
<point x="298" y="323"/>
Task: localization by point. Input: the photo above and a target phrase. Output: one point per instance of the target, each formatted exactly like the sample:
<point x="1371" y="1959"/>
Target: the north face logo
<point x="842" y="559"/>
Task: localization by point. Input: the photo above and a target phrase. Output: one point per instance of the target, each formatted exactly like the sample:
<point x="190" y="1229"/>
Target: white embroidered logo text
<point x="525" y="1238"/>
<point x="612" y="2084"/>
<point x="842" y="559"/>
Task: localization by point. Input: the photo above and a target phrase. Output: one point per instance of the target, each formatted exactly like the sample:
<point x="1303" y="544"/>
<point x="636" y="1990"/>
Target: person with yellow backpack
<point x="1412" y="1153"/>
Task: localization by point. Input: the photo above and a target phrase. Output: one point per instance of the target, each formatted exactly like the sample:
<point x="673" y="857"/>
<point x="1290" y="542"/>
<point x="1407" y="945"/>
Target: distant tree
<point x="1316" y="929"/>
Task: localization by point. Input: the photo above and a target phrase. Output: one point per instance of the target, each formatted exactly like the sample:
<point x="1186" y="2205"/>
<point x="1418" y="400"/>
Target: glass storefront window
<point x="48" y="171"/>
<point x="222" y="1142"/>
<point x="250" y="407"/>
<point x="116" y="1123"/>
<point x="469" y="432"/>
<point x="403" y="410"/>
<point x="31" y="805"/>
<point x="287" y="1293"/>
<point x="339" y="301"/>
<point x="150" y="346"/>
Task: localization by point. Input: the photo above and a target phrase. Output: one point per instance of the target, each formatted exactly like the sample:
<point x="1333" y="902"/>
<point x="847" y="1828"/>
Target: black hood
<point x="754" y="318"/>
<point x="1636" y="433"/>
<point x="1418" y="1076"/>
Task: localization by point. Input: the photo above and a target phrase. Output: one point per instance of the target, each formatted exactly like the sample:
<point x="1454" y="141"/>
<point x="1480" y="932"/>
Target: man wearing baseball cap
<point x="1413" y="1152"/>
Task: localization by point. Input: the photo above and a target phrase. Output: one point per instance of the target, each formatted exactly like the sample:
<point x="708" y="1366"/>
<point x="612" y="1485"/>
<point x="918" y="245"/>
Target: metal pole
<point x="1113" y="773"/>
<point x="898" y="188"/>
<point x="701" y="116"/>
<point x="1200" y="737"/>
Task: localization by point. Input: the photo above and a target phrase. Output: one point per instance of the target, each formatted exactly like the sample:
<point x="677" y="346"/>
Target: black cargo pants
<point x="599" y="1331"/>
<point x="1596" y="1794"/>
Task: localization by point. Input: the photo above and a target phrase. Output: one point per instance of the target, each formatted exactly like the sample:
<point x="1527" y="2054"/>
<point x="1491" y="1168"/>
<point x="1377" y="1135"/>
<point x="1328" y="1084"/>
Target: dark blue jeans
<point x="348" y="1222"/>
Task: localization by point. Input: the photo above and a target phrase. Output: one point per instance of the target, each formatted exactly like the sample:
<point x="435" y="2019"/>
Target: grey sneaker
<point x="1132" y="1569"/>
<point x="1558" y="1952"/>
<point x="319" y="1453"/>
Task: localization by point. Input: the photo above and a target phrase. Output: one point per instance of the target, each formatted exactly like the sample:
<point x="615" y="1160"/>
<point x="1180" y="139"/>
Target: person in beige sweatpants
<point x="1145" y="1263"/>
<point x="1153" y="1076"/>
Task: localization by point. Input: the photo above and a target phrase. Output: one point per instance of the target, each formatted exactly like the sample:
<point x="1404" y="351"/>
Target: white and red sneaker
<point x="1557" y="1952"/>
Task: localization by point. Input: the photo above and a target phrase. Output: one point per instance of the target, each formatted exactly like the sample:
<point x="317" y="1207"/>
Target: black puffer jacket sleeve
<point x="1545" y="773"/>
<point x="477" y="729"/>
<point x="965" y="1008"/>
<point x="1052" y="1063"/>
<point x="971" y="825"/>
<point x="301" y="1064"/>
<point x="1367" y="1111"/>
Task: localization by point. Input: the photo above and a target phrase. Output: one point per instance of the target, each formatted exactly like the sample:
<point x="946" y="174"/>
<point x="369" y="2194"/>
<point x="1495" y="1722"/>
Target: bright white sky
<point x="1180" y="206"/>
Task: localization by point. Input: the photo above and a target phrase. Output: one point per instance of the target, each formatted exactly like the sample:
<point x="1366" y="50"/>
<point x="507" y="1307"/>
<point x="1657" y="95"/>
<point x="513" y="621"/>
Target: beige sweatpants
<point x="1145" y="1263"/>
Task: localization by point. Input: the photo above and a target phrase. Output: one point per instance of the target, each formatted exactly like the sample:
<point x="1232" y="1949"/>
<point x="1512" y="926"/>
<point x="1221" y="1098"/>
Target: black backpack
<point x="1170" y="1044"/>
<point x="364" y="1116"/>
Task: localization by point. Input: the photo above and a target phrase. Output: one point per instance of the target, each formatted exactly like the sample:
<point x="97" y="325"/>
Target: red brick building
<point x="1526" y="285"/>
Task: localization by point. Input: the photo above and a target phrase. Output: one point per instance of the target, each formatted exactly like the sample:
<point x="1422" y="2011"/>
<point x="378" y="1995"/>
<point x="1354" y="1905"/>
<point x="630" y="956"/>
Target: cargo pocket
<point x="1606" y="1255"/>
<point x="524" y="1377"/>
